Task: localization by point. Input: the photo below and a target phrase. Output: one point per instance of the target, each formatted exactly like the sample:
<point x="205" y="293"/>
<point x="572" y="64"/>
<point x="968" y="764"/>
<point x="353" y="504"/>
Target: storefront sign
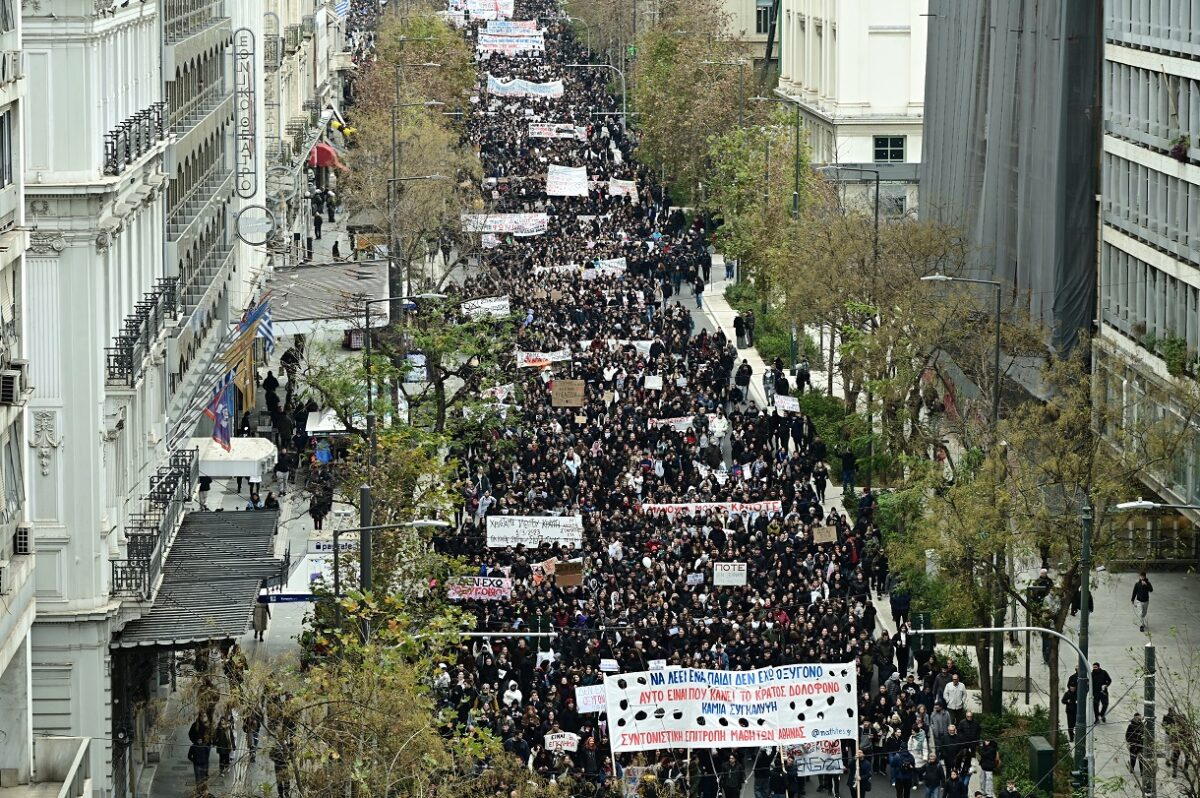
<point x="245" y="124"/>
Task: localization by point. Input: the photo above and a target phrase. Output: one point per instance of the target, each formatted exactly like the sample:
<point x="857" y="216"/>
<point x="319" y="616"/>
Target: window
<point x="7" y="20"/>
<point x="764" y="12"/>
<point x="889" y="149"/>
<point x="6" y="148"/>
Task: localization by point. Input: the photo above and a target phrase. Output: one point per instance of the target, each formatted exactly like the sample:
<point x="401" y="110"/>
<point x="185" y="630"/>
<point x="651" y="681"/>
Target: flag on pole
<point x="221" y="411"/>
<point x="261" y="313"/>
<point x="240" y="359"/>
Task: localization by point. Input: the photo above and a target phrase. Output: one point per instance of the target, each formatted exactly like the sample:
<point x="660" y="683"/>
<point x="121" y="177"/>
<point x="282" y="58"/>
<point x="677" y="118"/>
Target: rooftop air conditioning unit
<point x="10" y="387"/>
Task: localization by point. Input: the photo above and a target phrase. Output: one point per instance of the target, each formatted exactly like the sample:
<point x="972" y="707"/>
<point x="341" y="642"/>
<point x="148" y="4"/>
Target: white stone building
<point x="1149" y="259"/>
<point x="857" y="69"/>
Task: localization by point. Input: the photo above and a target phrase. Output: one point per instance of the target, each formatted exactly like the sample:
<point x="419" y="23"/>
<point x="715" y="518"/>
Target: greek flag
<point x="342" y="8"/>
<point x="262" y="314"/>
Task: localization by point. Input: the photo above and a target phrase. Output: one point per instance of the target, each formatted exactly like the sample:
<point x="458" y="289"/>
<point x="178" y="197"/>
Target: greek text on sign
<point x="508" y="27"/>
<point x="729" y="573"/>
<point x="556" y="130"/>
<point x="519" y="87"/>
<point x="787" y="404"/>
<point x="816" y="757"/>
<point x="566" y="181"/>
<point x="698" y="708"/>
<point x="691" y="508"/>
<point x="511" y="44"/>
<point x="245" y="123"/>
<point x="623" y="188"/>
<point x="590" y="698"/>
<point x="539" y="359"/>
<point x="678" y="423"/>
<point x="562" y="741"/>
<point x="534" y="530"/>
<point x="480" y="588"/>
<point x="567" y="393"/>
<point x="489" y="306"/>
<point x="518" y="224"/>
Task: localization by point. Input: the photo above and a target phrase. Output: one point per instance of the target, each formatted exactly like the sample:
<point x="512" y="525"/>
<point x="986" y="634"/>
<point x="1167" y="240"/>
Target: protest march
<point x="702" y="616"/>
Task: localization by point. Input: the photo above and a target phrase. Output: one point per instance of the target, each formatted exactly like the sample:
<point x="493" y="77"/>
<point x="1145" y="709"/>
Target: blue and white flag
<point x="262" y="314"/>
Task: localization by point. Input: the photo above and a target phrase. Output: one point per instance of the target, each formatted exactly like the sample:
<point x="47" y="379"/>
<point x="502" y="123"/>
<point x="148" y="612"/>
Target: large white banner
<point x="611" y="267"/>
<point x="518" y="224"/>
<point x="480" y="588"/>
<point x="698" y="708"/>
<point x="556" y="130"/>
<point x="519" y="87"/>
<point x="678" y="423"/>
<point x="539" y="359"/>
<point x="511" y="44"/>
<point x="566" y="181"/>
<point x="623" y="188"/>
<point x="489" y="306"/>
<point x="532" y="531"/>
<point x="691" y="508"/>
<point x="482" y="9"/>
<point x="510" y="27"/>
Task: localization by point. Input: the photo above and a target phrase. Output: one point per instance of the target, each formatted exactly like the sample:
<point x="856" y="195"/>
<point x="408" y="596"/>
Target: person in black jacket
<point x="1135" y="738"/>
<point x="1140" y="599"/>
<point x="1070" y="701"/>
<point x="1100" y="682"/>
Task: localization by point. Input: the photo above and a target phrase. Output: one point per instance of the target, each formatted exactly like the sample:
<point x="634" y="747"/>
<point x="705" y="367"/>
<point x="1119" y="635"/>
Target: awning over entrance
<point x="247" y="457"/>
<point x="325" y="155"/>
<point x="210" y="581"/>
<point x="328" y="296"/>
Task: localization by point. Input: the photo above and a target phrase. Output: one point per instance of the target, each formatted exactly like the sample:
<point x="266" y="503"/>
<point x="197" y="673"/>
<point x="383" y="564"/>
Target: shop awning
<point x="325" y="155"/>
<point x="327" y="296"/>
<point x="210" y="581"/>
<point x="247" y="457"/>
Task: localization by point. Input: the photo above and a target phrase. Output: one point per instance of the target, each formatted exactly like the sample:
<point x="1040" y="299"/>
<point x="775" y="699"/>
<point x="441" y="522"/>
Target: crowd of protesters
<point x="667" y="418"/>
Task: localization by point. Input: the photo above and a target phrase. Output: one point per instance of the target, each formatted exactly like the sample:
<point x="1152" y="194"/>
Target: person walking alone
<point x="1135" y="738"/>
<point x="698" y="290"/>
<point x="1141" y="599"/>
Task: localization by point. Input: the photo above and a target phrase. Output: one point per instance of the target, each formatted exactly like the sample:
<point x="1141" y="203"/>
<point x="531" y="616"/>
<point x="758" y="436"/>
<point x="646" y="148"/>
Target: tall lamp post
<point x="392" y="191"/>
<point x="998" y="639"/>
<point x="1150" y="760"/>
<point x="741" y="65"/>
<point x="624" y="93"/>
<point x="795" y="154"/>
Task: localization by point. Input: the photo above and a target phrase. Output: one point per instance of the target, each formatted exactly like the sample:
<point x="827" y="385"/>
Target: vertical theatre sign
<point x="244" y="122"/>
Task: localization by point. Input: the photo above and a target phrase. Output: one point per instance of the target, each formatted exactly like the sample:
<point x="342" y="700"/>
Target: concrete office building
<point x="1149" y="260"/>
<point x="857" y="69"/>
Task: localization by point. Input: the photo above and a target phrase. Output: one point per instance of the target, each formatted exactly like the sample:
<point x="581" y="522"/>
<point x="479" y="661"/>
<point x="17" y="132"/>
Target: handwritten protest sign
<point x="825" y="534"/>
<point x="609" y="666"/>
<point x="567" y="393"/>
<point x="517" y="224"/>
<point x="590" y="698"/>
<point x="653" y="382"/>
<point x="685" y="707"/>
<point x="569" y="574"/>
<point x="816" y="757"/>
<point x="729" y="573"/>
<point x="539" y="359"/>
<point x="562" y="741"/>
<point x="489" y="306"/>
<point x="480" y="588"/>
<point x="787" y="404"/>
<point x="566" y="181"/>
<point x="623" y="188"/>
<point x="695" y="579"/>
<point x="534" y="530"/>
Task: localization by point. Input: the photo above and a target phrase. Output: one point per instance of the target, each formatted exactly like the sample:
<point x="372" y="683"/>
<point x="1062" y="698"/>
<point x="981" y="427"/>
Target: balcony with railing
<point x="292" y="35"/>
<point x="193" y="110"/>
<point x="206" y="278"/>
<point x="63" y="769"/>
<point x="185" y="18"/>
<point x="133" y="138"/>
<point x="206" y="192"/>
<point x="127" y="355"/>
<point x="149" y="532"/>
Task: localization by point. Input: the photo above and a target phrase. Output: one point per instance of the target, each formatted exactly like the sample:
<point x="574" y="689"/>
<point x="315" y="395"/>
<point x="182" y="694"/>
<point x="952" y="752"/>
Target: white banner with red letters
<point x="480" y="588"/>
<point x="700" y="708"/>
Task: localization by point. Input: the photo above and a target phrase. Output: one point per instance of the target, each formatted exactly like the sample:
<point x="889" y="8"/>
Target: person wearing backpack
<point x="901" y="767"/>
<point x="989" y="766"/>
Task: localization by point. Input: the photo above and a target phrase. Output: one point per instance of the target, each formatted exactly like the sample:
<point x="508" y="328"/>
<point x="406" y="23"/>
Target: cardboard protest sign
<point x="480" y="588"/>
<point x="566" y="181"/>
<point x="685" y="707"/>
<point x="569" y="574"/>
<point x="818" y="757"/>
<point x="609" y="666"/>
<point x="489" y="306"/>
<point x="562" y="741"/>
<point x="590" y="698"/>
<point x="532" y="531"/>
<point x="653" y="382"/>
<point x="695" y="579"/>
<point x="825" y="534"/>
<point x="658" y="664"/>
<point x="729" y="573"/>
<point x="567" y="393"/>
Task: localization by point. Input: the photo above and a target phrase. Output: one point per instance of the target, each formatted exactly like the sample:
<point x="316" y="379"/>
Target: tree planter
<point x="1179" y="148"/>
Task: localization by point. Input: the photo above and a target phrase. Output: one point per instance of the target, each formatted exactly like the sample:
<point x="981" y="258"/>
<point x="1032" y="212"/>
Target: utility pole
<point x="1150" y="754"/>
<point x="1080" y="775"/>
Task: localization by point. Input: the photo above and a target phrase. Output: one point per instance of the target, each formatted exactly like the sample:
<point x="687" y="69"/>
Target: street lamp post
<point x="392" y="190"/>
<point x="741" y="65"/>
<point x="998" y="640"/>
<point x="624" y="94"/>
<point x="587" y="28"/>
<point x="796" y="152"/>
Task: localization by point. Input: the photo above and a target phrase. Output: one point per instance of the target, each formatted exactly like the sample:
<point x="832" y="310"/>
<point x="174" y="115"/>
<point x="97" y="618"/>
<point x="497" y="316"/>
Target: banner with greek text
<point x="532" y="531"/>
<point x="699" y="708"/>
<point x="590" y="698"/>
<point x="691" y="508"/>
<point x="518" y="224"/>
<point x="566" y="181"/>
<point x="482" y="9"/>
<point x="511" y="44"/>
<point x="816" y="758"/>
<point x="678" y="423"/>
<point x="611" y="266"/>
<point x="519" y="87"/>
<point x="480" y="588"/>
<point x="489" y="306"/>
<point x="556" y="130"/>
<point x="539" y="359"/>
<point x="509" y="27"/>
<point x="623" y="188"/>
